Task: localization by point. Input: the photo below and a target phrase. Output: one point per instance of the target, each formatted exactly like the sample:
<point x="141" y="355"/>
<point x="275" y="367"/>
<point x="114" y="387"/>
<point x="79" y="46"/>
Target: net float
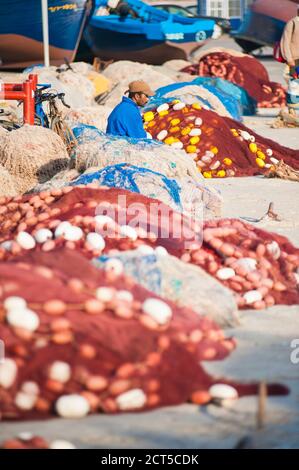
<point x="249" y="264"/>
<point x="73" y="233"/>
<point x="61" y="444"/>
<point x="87" y="351"/>
<point x="54" y="307"/>
<point x="245" y="135"/>
<point x="149" y="116"/>
<point x="215" y="165"/>
<point x="223" y="392"/>
<point x="195" y="132"/>
<point x="274" y="160"/>
<point x="14" y="302"/>
<point x="253" y="147"/>
<point x="163" y="107"/>
<point x="8" y="372"/>
<point x="269" y="152"/>
<point x="125" y="370"/>
<point x="95" y="241"/>
<point x="93" y="306"/>
<point x="279" y="286"/>
<point x="23" y="318"/>
<point x="252" y="296"/>
<point x="25" y="240"/>
<point x="260" y="163"/>
<point x="72" y="406"/>
<point x="60" y="371"/>
<point x="157" y="310"/>
<point x="96" y="383"/>
<point x="162" y="135"/>
<point x="124" y="295"/>
<point x="200" y="397"/>
<point x="179" y="106"/>
<point x="131" y="400"/>
<point x="129" y="232"/>
<point x="260" y="305"/>
<point x="119" y="386"/>
<point x="62" y="337"/>
<point x="206" y="159"/>
<point x="175" y="122"/>
<point x="24" y="401"/>
<point x="177" y="145"/>
<point x="105" y="294"/>
<point x="61" y="228"/>
<point x="198" y="121"/>
<point x="274" y="249"/>
<point x="225" y="273"/>
<point x="114" y="265"/>
<point x="31" y="388"/>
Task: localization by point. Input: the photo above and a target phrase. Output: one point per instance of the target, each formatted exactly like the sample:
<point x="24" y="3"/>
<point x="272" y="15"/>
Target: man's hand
<point x="291" y="63"/>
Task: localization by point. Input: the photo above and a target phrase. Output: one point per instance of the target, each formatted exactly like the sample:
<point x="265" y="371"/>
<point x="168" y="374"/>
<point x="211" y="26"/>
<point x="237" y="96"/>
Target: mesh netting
<point x="88" y="352"/>
<point x="244" y="71"/>
<point x="219" y="145"/>
<point x="7" y="183"/>
<point x="99" y="150"/>
<point x="32" y="155"/>
<point x="260" y="267"/>
<point x="184" y="284"/>
<point x="180" y="196"/>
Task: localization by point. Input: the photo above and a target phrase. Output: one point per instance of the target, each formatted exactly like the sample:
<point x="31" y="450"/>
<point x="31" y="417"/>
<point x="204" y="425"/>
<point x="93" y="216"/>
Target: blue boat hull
<point x="133" y="38"/>
<point x="21" y="38"/>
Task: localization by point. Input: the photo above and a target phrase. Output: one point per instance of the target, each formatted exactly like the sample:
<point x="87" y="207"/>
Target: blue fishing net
<point x="234" y="98"/>
<point x="138" y="180"/>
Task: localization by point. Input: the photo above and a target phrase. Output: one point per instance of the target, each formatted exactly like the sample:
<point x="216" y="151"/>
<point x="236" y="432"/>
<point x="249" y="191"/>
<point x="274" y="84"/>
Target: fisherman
<point x="125" y="119"/>
<point x="289" y="43"/>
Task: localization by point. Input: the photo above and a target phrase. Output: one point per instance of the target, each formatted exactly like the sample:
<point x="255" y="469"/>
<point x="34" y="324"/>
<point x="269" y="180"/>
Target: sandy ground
<point x="263" y="352"/>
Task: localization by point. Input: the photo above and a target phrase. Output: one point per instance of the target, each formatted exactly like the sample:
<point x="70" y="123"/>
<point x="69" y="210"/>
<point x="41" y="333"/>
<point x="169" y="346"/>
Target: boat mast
<point x="45" y="22"/>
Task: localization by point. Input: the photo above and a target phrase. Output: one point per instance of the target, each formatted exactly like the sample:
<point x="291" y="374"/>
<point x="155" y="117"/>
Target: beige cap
<point x="139" y="86"/>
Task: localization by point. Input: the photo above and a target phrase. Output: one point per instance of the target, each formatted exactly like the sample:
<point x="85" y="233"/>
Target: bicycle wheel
<point x="65" y="132"/>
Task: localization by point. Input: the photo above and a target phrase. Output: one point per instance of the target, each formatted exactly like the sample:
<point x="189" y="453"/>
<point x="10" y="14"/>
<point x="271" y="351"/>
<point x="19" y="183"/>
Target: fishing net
<point x="32" y="155"/>
<point x="121" y="73"/>
<point x="206" y="93"/>
<point x="259" y="267"/>
<point x="77" y="348"/>
<point x="183" y="196"/>
<point x="244" y="71"/>
<point x="7" y="183"/>
<point x="184" y="284"/>
<point x="96" y="116"/>
<point x="99" y="150"/>
<point x="219" y="145"/>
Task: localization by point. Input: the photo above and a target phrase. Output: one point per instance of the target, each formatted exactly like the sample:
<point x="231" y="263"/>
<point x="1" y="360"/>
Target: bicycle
<point x="53" y="118"/>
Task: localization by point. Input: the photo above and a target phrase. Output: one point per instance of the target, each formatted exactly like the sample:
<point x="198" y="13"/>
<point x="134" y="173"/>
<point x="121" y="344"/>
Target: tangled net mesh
<point x="32" y="155"/>
<point x="219" y="145"/>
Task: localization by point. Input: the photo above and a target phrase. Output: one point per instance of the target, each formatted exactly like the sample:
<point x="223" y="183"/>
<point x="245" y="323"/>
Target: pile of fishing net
<point x="64" y="351"/>
<point x="99" y="343"/>
<point x="123" y="72"/>
<point x="184" y="196"/>
<point x="203" y="90"/>
<point x="31" y="155"/>
<point x="26" y="440"/>
<point x="259" y="267"/>
<point x="244" y="71"/>
<point x="81" y="84"/>
<point x="185" y="284"/>
<point x="7" y="183"/>
<point x="219" y="145"/>
<point x="96" y="116"/>
<point x="96" y="149"/>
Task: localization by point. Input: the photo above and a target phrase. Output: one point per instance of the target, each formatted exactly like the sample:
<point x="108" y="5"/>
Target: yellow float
<point x="227" y="161"/>
<point x="149" y="116"/>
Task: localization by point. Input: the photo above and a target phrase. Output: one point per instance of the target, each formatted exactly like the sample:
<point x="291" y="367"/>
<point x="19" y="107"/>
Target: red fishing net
<point x="74" y="349"/>
<point x="219" y="145"/>
<point x="246" y="72"/>
<point x="260" y="267"/>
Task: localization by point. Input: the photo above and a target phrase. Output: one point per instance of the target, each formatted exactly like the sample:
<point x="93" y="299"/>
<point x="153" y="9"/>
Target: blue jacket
<point x="126" y="120"/>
